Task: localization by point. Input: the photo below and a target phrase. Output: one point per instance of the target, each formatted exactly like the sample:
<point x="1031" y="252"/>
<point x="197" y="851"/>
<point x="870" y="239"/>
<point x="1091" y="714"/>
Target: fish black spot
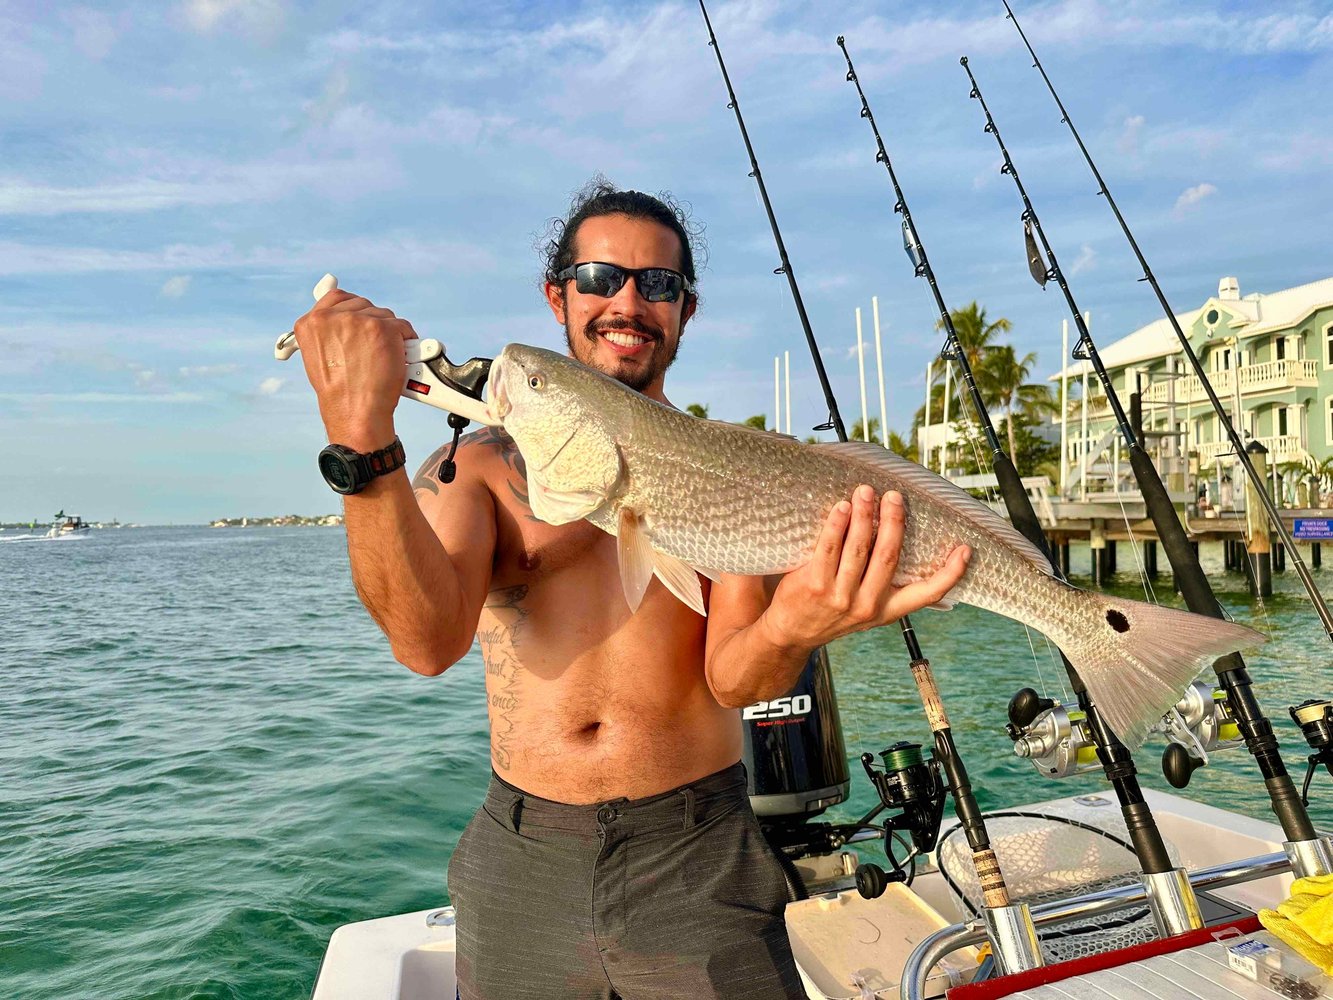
<point x="1117" y="620"/>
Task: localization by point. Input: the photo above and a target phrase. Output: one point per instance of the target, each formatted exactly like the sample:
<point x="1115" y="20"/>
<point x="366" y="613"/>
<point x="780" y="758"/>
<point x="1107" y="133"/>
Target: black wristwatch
<point x="347" y="471"/>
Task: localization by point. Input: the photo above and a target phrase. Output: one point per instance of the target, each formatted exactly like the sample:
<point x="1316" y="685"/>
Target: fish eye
<point x="535" y="382"/>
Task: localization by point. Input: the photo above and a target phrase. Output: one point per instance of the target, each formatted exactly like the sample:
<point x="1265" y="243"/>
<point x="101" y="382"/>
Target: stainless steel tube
<point x="949" y="939"/>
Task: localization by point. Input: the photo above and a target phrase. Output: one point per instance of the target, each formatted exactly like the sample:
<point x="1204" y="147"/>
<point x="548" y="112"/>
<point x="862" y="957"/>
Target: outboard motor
<point x="794" y="751"/>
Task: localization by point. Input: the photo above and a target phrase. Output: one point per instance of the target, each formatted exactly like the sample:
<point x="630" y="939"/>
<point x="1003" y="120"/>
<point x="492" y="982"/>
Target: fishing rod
<point x="1116" y="761"/>
<point x="1244" y="709"/>
<point x="1238" y="446"/>
<point x="1012" y="933"/>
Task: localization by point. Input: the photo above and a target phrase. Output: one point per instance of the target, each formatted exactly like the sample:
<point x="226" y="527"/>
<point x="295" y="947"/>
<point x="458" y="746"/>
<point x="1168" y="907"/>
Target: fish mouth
<point x="499" y="405"/>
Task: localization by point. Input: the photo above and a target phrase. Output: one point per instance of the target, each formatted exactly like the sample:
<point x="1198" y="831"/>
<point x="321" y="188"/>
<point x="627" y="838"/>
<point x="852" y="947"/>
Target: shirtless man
<point x="616" y="854"/>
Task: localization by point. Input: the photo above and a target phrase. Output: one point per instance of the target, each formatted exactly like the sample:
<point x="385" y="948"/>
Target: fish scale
<point x="720" y="498"/>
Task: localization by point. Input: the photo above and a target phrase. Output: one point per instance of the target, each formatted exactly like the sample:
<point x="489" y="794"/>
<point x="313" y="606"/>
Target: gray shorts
<point x="673" y="896"/>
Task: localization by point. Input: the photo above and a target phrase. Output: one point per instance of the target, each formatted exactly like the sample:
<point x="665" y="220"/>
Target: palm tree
<point x="976" y="337"/>
<point x="899" y="446"/>
<point x="858" y="432"/>
<point x="1007" y="377"/>
<point x="697" y="410"/>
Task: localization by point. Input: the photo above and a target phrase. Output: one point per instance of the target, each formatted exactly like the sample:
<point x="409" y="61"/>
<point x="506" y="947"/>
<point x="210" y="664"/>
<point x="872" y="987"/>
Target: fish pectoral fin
<point x="944" y="604"/>
<point x="561" y="507"/>
<point x="636" y="556"/>
<point x="679" y="578"/>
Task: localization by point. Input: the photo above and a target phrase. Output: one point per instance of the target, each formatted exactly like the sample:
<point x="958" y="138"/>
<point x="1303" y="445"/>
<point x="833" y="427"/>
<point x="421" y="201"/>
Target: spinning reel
<point x="1315" y="717"/>
<point x="912" y="787"/>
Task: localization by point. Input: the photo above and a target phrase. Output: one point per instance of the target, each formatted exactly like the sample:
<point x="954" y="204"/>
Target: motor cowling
<point x="794" y="752"/>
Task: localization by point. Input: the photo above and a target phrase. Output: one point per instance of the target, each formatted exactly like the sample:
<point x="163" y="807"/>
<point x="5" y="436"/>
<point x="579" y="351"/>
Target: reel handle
<point x="1179" y="765"/>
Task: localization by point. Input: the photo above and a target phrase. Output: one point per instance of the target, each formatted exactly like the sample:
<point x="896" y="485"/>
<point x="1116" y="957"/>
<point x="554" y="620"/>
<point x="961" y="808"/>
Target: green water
<point x="210" y="759"/>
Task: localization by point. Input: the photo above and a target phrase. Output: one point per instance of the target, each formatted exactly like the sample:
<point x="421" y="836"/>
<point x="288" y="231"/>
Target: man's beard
<point x="637" y="378"/>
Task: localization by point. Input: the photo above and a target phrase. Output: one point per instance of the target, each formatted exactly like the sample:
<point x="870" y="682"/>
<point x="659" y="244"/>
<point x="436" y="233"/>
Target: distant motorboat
<point x="67" y="524"/>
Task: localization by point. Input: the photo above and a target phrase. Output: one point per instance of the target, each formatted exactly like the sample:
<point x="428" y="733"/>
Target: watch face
<point x="336" y="471"/>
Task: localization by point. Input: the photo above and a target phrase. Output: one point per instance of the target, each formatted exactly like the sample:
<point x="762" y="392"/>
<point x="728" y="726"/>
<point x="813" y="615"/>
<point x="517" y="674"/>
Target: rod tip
<point x="962" y="61"/>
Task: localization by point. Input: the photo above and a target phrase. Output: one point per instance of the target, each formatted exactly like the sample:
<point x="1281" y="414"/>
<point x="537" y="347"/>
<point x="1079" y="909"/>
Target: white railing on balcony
<point x="1290" y="373"/>
<point x="1281" y="448"/>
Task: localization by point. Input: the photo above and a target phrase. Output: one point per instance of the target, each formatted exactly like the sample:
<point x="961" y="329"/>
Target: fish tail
<point x="1137" y="658"/>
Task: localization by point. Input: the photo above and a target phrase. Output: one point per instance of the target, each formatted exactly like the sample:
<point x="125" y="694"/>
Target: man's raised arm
<point x="423" y="581"/>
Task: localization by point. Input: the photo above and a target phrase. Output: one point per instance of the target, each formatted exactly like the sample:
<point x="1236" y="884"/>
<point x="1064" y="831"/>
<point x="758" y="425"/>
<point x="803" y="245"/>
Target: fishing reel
<point x="1199" y="724"/>
<point x="1315" y="717"/>
<point x="912" y="787"/>
<point x="1056" y="739"/>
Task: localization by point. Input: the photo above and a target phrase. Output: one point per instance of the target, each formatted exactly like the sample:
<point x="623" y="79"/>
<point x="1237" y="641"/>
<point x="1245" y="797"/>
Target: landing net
<point x="1054" y="854"/>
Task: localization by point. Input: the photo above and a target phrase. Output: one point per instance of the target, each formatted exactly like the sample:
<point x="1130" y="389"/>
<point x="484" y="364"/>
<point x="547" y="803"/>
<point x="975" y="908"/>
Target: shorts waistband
<point x="681" y="808"/>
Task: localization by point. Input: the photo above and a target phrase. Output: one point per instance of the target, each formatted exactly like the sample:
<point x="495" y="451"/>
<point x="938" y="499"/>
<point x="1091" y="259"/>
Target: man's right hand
<point x="353" y="356"/>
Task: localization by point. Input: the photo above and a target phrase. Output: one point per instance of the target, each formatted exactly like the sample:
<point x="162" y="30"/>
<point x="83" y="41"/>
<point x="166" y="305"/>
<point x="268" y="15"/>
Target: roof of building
<point x="1263" y="311"/>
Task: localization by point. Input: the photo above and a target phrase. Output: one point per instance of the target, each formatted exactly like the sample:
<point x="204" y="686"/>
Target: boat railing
<point x="949" y="939"/>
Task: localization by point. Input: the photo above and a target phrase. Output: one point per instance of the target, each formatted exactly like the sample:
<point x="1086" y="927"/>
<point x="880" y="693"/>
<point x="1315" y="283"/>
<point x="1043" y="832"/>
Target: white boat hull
<point x="406" y="958"/>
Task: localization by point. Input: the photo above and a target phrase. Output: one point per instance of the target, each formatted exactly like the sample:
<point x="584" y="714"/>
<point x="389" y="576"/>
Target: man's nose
<point x="628" y="301"/>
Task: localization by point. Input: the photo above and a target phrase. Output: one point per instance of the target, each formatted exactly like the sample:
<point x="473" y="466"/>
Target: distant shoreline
<point x="280" y="521"/>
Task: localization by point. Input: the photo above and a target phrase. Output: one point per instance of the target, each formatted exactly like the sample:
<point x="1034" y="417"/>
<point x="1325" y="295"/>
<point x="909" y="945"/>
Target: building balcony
<point x="1281" y="448"/>
<point x="1271" y="376"/>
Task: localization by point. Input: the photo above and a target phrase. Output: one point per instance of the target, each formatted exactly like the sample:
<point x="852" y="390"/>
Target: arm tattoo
<point x="498" y="648"/>
<point x="503" y="444"/>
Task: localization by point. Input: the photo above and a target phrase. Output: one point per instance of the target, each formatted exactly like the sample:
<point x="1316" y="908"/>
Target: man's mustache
<point x="622" y="323"/>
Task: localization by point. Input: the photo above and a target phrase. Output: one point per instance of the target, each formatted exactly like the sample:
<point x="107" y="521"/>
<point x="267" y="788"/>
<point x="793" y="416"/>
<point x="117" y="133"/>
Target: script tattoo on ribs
<point x="498" y="648"/>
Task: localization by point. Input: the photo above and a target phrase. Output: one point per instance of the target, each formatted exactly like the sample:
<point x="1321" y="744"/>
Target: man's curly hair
<point x="600" y="197"/>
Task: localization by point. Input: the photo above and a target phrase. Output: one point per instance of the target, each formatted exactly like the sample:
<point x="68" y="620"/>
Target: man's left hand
<point x="848" y="584"/>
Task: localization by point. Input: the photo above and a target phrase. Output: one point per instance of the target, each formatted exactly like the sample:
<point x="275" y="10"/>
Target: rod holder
<point x="1310" y="857"/>
<point x="1171" y="898"/>
<point x="1013" y="938"/>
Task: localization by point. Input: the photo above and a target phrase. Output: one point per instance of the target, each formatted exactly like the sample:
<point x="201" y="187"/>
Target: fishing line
<point x="1238" y="446"/>
<point x="965" y="405"/>
<point x="1190" y="578"/>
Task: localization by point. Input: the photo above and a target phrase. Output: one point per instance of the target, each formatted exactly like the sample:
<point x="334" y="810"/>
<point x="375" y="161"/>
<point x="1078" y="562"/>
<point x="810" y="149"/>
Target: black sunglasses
<point x="655" y="284"/>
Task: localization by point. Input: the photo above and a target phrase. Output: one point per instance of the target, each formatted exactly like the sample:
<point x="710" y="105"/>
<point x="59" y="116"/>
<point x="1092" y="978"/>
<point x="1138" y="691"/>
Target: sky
<point x="177" y="176"/>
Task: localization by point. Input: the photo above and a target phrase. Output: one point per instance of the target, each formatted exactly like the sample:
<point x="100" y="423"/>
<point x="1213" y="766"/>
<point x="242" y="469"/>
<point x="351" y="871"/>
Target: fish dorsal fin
<point x="945" y="493"/>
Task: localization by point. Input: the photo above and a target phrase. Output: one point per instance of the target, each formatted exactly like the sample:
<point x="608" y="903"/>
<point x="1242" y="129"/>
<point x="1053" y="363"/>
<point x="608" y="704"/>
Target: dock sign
<point x="1313" y="529"/>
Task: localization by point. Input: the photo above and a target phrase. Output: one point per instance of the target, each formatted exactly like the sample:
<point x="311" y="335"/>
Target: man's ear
<point x="555" y="298"/>
<point x="687" y="311"/>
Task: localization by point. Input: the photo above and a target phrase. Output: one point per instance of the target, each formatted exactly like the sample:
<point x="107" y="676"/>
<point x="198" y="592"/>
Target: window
<point x="1280" y="348"/>
<point x="1282" y="421"/>
<point x="1328" y="420"/>
<point x="1328" y="346"/>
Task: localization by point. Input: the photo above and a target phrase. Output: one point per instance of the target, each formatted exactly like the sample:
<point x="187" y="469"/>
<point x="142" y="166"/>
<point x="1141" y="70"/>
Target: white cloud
<point x="203" y="371"/>
<point x="93" y="31"/>
<point x="397" y="252"/>
<point x="186" y="183"/>
<point x="1086" y="260"/>
<point x="174" y="288"/>
<point x="1129" y="135"/>
<point x="254" y="18"/>
<point x="1192" y="196"/>
<point x="102" y="397"/>
<point x="270" y="385"/>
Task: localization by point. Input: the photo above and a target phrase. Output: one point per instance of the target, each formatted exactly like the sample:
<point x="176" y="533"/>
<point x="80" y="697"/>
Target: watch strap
<point x="388" y="459"/>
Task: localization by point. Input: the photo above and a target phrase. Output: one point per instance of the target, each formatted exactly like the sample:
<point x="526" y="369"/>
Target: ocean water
<point x="209" y="759"/>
